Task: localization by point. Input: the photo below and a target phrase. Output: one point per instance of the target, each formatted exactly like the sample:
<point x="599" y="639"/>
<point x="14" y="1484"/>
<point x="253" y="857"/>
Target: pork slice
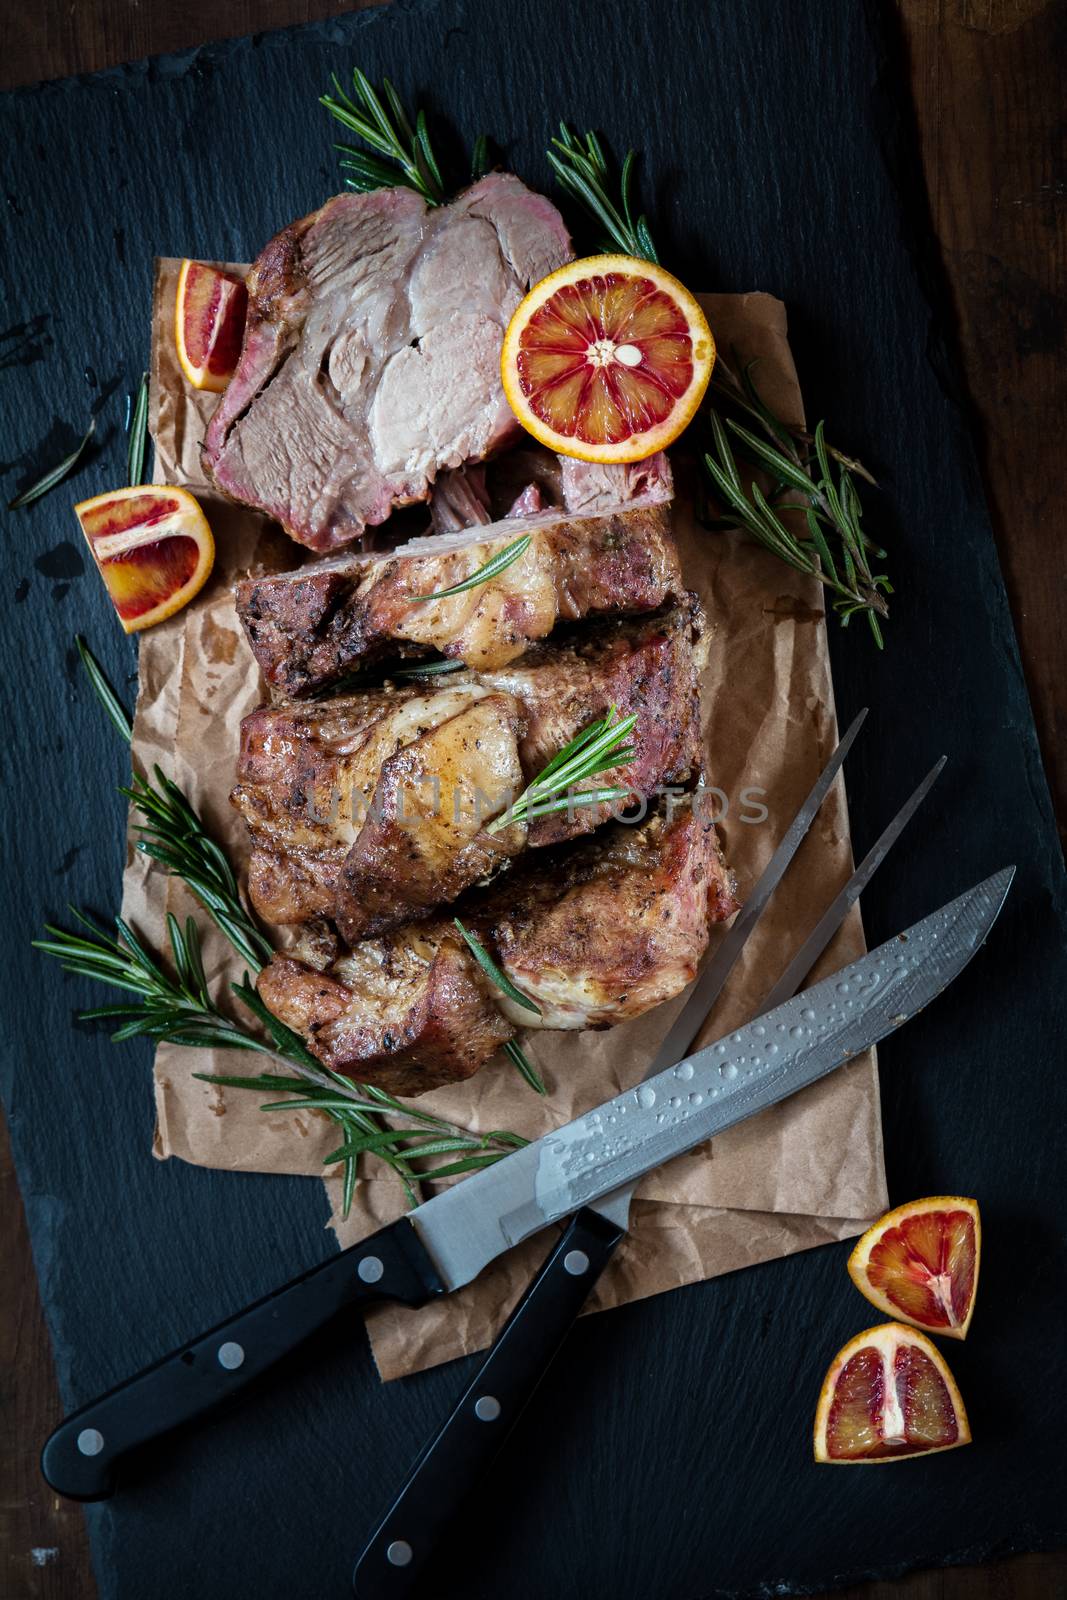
<point x="371" y="353"/>
<point x="312" y="626"/>
<point x="596" y="485"/>
<point x="647" y="666"/>
<point x="603" y="931"/>
<point x="594" y="933"/>
<point x="356" y="780"/>
<point x="406" y="1013"/>
<point x="459" y="499"/>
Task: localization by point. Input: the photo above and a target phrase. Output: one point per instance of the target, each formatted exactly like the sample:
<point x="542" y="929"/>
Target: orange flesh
<point x="140" y="578"/>
<point x="570" y="376"/>
<point x="926" y="1267"/>
<point x="213" y="317"/>
<point x="923" y="1418"/>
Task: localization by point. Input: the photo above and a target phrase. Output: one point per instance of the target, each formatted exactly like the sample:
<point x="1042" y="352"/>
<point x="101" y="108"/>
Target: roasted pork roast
<point x="372" y="809"/>
<point x="372" y="352"/>
<point x="599" y="932"/>
<point x="312" y="626"/>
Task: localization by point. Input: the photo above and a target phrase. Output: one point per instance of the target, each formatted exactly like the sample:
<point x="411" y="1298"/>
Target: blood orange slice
<point x="209" y="321"/>
<point x="153" y="547"/>
<point x="888" y="1395"/>
<point x="607" y="359"/>
<point x="920" y="1263"/>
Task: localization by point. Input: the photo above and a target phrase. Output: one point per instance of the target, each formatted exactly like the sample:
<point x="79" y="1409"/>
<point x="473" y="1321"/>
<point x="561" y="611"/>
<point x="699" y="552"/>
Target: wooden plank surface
<point x="985" y="80"/>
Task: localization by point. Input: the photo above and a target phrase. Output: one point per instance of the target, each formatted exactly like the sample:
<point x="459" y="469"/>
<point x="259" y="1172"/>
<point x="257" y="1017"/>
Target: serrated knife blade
<point x="754" y="1067"/>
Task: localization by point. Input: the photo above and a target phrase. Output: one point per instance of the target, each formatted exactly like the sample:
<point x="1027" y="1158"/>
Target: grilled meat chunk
<point x="646" y="665"/>
<point x="310" y="627"/>
<point x="408" y="1012"/>
<point x="371" y="809"/>
<point x="595" y="932"/>
<point x="372" y="352"/>
<point x="605" y="930"/>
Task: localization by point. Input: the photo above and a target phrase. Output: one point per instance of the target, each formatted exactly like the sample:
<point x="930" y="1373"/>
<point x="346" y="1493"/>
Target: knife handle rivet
<point x="370" y="1269"/>
<point x="576" y="1262"/>
<point x="399" y="1553"/>
<point x="231" y="1356"/>
<point x="487" y="1408"/>
<point x="90" y="1442"/>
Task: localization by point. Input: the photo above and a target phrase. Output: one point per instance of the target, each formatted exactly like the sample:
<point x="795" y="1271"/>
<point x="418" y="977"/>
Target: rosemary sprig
<point x="493" y="972"/>
<point x="807" y="474"/>
<point x="54" y="475"/>
<point x="492" y="569"/>
<point x="180" y="1010"/>
<point x="582" y="169"/>
<point x="798" y="463"/>
<point x="427" y="669"/>
<point x="184" y="1012"/>
<point x="597" y="748"/>
<point x="404" y="153"/>
<point x="138" y="431"/>
<point x="107" y="697"/>
<point x="513" y="1050"/>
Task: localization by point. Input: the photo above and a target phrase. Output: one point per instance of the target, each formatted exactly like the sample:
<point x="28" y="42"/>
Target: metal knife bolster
<point x="782" y="1051"/>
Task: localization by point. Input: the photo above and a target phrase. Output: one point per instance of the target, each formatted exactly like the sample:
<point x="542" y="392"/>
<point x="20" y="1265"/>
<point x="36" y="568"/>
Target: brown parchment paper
<point x="800" y="1174"/>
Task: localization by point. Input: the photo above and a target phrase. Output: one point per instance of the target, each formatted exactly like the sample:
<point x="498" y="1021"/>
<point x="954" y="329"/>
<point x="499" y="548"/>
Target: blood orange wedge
<point x="888" y="1395"/>
<point x="607" y="359"/>
<point x="209" y="322"/>
<point x="153" y="547"/>
<point x="920" y="1263"/>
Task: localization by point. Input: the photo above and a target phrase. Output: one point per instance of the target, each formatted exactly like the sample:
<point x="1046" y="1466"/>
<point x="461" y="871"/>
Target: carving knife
<point x="447" y="1469"/>
<point x="448" y="1240"/>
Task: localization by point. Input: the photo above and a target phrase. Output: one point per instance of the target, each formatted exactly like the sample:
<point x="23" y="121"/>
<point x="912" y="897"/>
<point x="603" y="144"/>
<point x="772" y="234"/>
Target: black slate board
<point x="669" y="1454"/>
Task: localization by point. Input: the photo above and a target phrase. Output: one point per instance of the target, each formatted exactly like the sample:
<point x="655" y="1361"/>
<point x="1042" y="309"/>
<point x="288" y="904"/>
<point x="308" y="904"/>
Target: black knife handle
<point x="396" y="1555"/>
<point x="79" y="1459"/>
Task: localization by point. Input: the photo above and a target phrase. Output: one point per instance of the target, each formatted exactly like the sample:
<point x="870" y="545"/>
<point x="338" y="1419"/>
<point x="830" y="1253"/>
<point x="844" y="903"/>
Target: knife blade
<point x="784" y="1050"/>
<point x="447" y="1240"/>
<point x="397" y="1553"/>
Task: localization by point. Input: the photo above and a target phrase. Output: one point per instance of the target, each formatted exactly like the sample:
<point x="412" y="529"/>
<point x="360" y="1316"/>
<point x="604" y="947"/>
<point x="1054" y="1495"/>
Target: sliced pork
<point x="407" y="1013"/>
<point x="613" y="927"/>
<point x="372" y="810"/>
<point x="603" y="931"/>
<point x="312" y="626"/>
<point x="598" y="485"/>
<point x="371" y="353"/>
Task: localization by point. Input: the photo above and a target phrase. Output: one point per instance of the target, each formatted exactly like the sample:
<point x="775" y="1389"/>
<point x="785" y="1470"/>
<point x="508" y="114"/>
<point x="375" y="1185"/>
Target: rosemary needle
<point x="492" y="569"/>
<point x="493" y="972"/>
<point x="55" y="474"/>
<point x="135" y="453"/>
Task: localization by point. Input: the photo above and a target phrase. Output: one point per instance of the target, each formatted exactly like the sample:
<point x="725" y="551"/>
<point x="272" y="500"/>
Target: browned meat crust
<point x="600" y="931"/>
<point x="610" y="928"/>
<point x="407" y="1013"/>
<point x="312" y="626"/>
<point x="371" y="809"/>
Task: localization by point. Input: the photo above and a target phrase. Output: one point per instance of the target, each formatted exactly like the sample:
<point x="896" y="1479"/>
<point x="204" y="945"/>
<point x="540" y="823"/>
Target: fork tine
<point x="842" y="903"/>
<point x="687" y="1024"/>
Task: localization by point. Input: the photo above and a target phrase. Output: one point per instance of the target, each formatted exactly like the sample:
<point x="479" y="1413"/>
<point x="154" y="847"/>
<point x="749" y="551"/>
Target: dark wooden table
<point x="985" y="80"/>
